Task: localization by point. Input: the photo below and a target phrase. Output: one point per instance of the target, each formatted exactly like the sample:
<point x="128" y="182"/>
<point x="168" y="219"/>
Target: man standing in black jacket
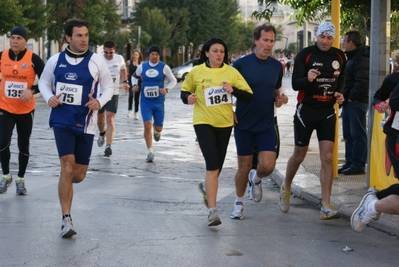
<point x="354" y="109"/>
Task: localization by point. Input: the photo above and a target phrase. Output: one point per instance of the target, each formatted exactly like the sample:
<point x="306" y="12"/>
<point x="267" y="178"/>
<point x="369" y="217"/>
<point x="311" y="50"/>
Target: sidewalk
<point x="347" y="190"/>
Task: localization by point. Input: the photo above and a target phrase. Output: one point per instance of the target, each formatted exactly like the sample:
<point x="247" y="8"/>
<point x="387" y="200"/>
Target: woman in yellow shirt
<point x="209" y="87"/>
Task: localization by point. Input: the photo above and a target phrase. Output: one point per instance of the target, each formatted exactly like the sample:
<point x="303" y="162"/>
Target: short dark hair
<point x="267" y="27"/>
<point x="109" y="44"/>
<point x="207" y="45"/>
<point x="355" y="37"/>
<point x="71" y="23"/>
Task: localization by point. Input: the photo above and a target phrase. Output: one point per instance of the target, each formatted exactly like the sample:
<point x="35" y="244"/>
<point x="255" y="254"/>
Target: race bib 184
<point x="216" y="96"/>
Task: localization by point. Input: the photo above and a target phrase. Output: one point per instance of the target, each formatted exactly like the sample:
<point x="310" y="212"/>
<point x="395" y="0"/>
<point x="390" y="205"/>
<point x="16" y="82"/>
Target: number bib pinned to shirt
<point x="115" y="77"/>
<point x="216" y="96"/>
<point x="71" y="93"/>
<point x="15" y="89"/>
<point x="151" y="91"/>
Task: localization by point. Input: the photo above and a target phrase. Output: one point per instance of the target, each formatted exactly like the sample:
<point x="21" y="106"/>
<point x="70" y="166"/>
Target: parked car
<point x="181" y="72"/>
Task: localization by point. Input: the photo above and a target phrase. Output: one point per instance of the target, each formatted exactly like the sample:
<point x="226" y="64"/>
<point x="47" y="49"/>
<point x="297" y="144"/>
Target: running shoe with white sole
<point x="284" y="199"/>
<point x="329" y="212"/>
<point x="129" y="113"/>
<point x="67" y="229"/>
<point x="213" y="218"/>
<point x="237" y="212"/>
<point x="136" y="116"/>
<point x="6" y="181"/>
<point x="360" y="216"/>
<point x="374" y="191"/>
<point x="255" y="190"/>
<point x="201" y="188"/>
<point x="150" y="157"/>
<point x="101" y="140"/>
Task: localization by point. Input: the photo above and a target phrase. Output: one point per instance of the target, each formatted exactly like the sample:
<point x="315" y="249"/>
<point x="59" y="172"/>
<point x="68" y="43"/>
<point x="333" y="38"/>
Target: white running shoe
<point x="150" y="157"/>
<point x="255" y="190"/>
<point x="237" y="212"/>
<point x="129" y="113"/>
<point x="67" y="229"/>
<point x="361" y="217"/>
<point x="101" y="140"/>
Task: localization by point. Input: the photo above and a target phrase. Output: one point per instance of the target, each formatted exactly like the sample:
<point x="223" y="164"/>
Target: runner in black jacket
<point x="319" y="77"/>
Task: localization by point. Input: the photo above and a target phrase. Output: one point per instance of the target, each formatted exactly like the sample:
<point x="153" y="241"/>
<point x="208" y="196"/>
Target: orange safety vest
<point x="16" y="76"/>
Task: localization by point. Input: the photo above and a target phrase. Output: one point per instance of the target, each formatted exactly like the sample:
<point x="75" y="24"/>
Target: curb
<point x="315" y="198"/>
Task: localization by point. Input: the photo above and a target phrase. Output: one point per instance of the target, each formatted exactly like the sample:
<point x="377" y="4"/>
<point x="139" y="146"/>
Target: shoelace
<point x="238" y="208"/>
<point x="257" y="188"/>
<point x="285" y="198"/>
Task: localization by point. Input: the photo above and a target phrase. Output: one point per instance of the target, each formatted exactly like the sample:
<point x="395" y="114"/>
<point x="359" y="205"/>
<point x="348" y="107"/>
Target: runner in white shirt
<point x="117" y="68"/>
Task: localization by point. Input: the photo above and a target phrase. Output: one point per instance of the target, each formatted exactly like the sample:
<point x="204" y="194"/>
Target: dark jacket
<point x="357" y="75"/>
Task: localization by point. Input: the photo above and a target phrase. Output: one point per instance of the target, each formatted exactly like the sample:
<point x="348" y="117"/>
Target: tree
<point x="194" y="21"/>
<point x="355" y="14"/>
<point x="245" y="33"/>
<point x="102" y="15"/>
<point x="27" y="13"/>
<point x="156" y="25"/>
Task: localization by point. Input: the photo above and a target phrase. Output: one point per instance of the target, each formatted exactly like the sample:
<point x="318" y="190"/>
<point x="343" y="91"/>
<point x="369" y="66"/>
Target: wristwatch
<point x="167" y="91"/>
<point x="125" y="81"/>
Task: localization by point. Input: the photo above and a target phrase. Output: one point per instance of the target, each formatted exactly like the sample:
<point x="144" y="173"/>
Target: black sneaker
<point x="108" y="151"/>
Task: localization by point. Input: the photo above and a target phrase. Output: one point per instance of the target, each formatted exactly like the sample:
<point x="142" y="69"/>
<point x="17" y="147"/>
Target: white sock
<point x="255" y="178"/>
<point x="240" y="199"/>
<point x="371" y="208"/>
<point x="150" y="150"/>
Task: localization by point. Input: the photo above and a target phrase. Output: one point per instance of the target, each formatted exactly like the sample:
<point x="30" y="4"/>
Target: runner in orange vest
<point x="19" y="68"/>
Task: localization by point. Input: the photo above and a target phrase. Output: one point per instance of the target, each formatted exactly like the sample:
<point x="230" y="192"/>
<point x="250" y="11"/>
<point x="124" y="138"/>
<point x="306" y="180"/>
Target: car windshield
<point x="188" y="62"/>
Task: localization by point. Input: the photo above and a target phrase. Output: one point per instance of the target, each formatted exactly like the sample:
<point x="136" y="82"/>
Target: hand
<point x="227" y="87"/>
<point x="126" y="86"/>
<point x="163" y="91"/>
<point x="26" y="96"/>
<point x="339" y="98"/>
<point x="54" y="101"/>
<point x="312" y="74"/>
<point x="93" y="103"/>
<point x="382" y="107"/>
<point x="135" y="88"/>
<point x="191" y="99"/>
<point x="284" y="98"/>
<point x="278" y="102"/>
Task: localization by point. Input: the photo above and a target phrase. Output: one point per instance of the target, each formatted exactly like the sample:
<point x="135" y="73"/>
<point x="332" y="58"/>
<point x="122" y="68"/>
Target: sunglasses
<point x="108" y="53"/>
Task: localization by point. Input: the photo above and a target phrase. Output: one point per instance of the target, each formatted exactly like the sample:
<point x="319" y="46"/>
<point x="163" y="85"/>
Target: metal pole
<point x="335" y="14"/>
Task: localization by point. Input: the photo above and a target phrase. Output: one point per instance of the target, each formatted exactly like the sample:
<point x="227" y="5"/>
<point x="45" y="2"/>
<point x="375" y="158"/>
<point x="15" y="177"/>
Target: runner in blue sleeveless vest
<point x="152" y="98"/>
<point x="70" y="86"/>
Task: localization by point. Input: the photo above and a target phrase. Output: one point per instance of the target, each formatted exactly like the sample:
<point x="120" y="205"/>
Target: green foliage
<point x="245" y="32"/>
<point x="355" y="14"/>
<point x="155" y="23"/>
<point x="104" y="21"/>
<point x="395" y="30"/>
<point x="293" y="48"/>
<point x="267" y="13"/>
<point x="192" y="22"/>
<point x="27" y="13"/>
